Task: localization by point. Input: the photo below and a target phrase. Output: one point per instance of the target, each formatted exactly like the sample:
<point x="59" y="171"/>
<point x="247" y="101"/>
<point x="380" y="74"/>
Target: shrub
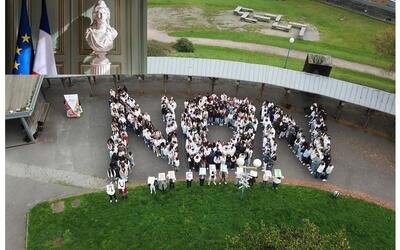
<point x="307" y="237"/>
<point x="155" y="48"/>
<point x="184" y="45"/>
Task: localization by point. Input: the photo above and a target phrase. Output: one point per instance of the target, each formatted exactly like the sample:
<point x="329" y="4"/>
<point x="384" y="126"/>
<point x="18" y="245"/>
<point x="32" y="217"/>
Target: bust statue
<point x="100" y="35"/>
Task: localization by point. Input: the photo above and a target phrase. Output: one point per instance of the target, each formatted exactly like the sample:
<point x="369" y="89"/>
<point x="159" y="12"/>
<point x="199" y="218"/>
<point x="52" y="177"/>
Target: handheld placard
<point x="171" y="175"/>
<point x="150" y="179"/>
<point x="224" y="168"/>
<point x="202" y="171"/>
<point x="213" y="168"/>
<point x="161" y="176"/>
<point x="189" y="176"/>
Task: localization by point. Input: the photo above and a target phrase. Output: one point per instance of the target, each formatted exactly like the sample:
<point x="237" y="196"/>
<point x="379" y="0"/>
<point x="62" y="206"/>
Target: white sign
<point x="161" y="176"/>
<point x="268" y="174"/>
<point x="150" y="179"/>
<point x="121" y="184"/>
<point x="213" y="168"/>
<point x="72" y="105"/>
<point x="253" y="173"/>
<point x="189" y="176"/>
<point x="110" y="189"/>
<point x="224" y="168"/>
<point x="171" y="175"/>
<point x="202" y="171"/>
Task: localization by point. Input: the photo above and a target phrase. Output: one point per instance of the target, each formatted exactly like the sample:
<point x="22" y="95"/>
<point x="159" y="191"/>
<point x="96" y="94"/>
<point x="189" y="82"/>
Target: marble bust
<point x="100" y="35"/>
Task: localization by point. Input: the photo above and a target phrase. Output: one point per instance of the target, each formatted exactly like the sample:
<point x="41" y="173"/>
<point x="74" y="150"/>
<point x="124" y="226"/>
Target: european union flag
<point x="24" y="51"/>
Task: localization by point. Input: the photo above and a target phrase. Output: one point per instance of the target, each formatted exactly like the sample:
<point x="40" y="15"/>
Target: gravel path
<point x="153" y="34"/>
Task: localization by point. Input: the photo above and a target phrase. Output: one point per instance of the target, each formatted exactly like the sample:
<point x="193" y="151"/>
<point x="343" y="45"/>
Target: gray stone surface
<point x="21" y="195"/>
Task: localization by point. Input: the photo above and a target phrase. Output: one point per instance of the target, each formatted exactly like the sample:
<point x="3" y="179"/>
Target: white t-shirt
<point x="329" y="169"/>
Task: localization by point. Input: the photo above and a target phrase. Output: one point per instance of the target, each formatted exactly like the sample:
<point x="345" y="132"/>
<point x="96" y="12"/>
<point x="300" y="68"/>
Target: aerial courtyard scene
<point x="200" y="124"/>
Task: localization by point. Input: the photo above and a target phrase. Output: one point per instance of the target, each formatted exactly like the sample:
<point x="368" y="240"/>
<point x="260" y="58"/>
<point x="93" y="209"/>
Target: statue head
<point x="101" y="14"/>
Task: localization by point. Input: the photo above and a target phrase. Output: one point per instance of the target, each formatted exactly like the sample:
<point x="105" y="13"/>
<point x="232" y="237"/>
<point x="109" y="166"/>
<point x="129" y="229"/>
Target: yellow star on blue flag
<point x="24" y="51"/>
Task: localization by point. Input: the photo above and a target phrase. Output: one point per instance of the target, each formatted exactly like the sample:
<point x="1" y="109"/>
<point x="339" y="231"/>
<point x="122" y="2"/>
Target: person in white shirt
<point x="320" y="170"/>
<point x="189" y="178"/>
<point x="212" y="178"/>
<point x="152" y="187"/>
<point x="276" y="182"/>
<point x="328" y="171"/>
<point x="266" y="176"/>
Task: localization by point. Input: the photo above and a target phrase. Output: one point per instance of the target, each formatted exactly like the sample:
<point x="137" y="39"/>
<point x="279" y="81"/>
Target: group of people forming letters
<point x="199" y="113"/>
<point x="237" y="114"/>
<point x="126" y="113"/>
<point x="316" y="155"/>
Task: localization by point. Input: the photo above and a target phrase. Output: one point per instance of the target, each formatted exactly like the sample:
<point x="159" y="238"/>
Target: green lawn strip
<point x="341" y="50"/>
<point x="201" y="217"/>
<point x="278" y="61"/>
<point x="351" y="39"/>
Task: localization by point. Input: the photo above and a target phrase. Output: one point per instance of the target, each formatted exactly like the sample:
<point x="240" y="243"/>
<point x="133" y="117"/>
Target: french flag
<point x="44" y="63"/>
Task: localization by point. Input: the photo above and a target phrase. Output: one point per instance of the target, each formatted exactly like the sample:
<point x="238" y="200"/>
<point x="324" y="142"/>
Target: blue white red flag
<point x="44" y="63"/>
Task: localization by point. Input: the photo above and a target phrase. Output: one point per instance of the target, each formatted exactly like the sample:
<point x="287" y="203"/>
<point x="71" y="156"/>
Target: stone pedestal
<point x="100" y="64"/>
<point x="100" y="69"/>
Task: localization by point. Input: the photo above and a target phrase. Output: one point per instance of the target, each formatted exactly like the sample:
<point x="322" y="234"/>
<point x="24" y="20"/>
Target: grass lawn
<point x="352" y="39"/>
<point x="278" y="61"/>
<point x="201" y="217"/>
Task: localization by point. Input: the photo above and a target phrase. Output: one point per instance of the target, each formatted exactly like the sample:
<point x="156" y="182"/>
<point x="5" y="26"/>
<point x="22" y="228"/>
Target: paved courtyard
<point x="73" y="152"/>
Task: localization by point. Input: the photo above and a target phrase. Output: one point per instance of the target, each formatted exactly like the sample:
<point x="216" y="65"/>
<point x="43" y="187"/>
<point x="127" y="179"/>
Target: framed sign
<point x="202" y="171"/>
<point x="161" y="176"/>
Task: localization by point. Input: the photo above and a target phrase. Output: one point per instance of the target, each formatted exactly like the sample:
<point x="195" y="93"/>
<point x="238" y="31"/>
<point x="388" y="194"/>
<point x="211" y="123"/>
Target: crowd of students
<point x="199" y="113"/>
<point x="316" y="155"/>
<point x="202" y="111"/>
<point x="214" y="177"/>
<point x="121" y="161"/>
<point x="269" y="145"/>
<point x="126" y="113"/>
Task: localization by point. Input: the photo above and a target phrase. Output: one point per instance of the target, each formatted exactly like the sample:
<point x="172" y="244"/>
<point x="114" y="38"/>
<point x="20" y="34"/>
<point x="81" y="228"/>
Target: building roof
<point x="21" y="95"/>
<point x="337" y="89"/>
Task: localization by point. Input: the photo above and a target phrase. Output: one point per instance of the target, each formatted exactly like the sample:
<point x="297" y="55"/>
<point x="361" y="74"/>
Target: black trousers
<point x="111" y="196"/>
<point x="188" y="183"/>
<point x="202" y="182"/>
